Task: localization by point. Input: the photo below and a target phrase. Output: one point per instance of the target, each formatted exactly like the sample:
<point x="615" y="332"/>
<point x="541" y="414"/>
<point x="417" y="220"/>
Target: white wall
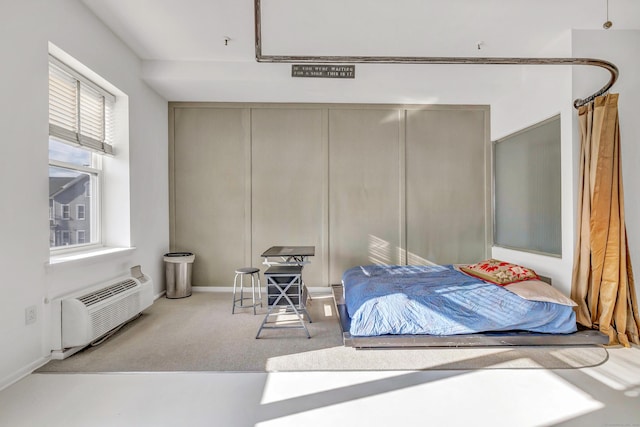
<point x="26" y="28"/>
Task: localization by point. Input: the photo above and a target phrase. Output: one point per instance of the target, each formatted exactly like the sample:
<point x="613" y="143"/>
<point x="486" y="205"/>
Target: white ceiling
<point x="180" y="30"/>
<point x="190" y="34"/>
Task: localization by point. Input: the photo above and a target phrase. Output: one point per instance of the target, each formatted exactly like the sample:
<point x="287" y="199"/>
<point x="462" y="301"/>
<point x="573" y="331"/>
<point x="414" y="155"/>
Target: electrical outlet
<point x="30" y="315"/>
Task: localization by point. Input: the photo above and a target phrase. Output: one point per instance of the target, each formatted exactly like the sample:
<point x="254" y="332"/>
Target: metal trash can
<point x="177" y="267"/>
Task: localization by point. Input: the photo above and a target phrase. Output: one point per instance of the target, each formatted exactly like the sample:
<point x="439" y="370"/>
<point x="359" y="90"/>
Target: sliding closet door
<point x="364" y="188"/>
<point x="446" y="185"/>
<point x="208" y="190"/>
<point x="364" y="184"/>
<point x="289" y="183"/>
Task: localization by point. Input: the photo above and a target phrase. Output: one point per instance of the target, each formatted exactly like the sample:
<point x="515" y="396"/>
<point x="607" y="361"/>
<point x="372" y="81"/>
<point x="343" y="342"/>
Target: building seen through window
<point x="69" y="207"/>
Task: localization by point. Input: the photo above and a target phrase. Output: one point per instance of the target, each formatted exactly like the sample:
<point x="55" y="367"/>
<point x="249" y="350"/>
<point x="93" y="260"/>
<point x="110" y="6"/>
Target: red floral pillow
<point x="499" y="272"/>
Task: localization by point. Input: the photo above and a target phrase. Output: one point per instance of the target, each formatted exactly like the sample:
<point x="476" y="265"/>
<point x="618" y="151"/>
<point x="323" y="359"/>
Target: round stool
<point x="239" y="302"/>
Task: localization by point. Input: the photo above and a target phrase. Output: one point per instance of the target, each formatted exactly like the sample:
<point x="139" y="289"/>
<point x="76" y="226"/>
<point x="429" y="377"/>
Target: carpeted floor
<point x="199" y="333"/>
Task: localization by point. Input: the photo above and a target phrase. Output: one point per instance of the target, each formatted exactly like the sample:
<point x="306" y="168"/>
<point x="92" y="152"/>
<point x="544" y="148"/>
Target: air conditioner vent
<point x="92" y="312"/>
<point x="108" y="292"/>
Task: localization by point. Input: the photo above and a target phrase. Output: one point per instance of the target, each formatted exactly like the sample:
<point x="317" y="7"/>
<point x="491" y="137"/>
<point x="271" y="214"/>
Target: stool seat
<point x="247" y="270"/>
<point x="254" y="273"/>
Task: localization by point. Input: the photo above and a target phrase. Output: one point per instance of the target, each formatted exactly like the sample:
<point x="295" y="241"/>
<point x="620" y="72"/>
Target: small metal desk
<point x="285" y="287"/>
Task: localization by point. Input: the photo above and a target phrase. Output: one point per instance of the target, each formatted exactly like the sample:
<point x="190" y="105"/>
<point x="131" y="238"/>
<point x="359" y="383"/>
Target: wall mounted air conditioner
<point x="90" y="314"/>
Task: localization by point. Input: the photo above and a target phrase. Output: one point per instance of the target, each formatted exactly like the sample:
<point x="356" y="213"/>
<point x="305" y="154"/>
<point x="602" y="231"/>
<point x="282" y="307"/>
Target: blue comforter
<point x="439" y="300"/>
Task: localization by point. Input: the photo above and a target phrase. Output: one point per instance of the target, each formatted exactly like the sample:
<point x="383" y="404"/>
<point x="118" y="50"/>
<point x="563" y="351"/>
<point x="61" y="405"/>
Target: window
<point x="527" y="206"/>
<point x="81" y="129"/>
<point x="64" y="238"/>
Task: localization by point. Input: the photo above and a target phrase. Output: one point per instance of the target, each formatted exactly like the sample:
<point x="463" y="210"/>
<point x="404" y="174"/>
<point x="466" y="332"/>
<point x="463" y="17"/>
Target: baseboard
<point x="319" y="289"/>
<point x="63" y="354"/>
<point x="20" y="374"/>
<point x="312" y="289"/>
<point x="212" y="288"/>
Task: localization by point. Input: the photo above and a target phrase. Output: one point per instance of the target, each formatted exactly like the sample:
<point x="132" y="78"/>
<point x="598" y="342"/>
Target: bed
<point x="491" y="303"/>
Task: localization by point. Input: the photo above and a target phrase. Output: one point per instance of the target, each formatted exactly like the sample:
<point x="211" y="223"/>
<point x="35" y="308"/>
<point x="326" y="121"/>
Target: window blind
<point x="80" y="111"/>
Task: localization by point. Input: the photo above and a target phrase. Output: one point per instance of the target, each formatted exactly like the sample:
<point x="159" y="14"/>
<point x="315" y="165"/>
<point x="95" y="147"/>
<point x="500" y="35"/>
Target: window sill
<point x="92" y="255"/>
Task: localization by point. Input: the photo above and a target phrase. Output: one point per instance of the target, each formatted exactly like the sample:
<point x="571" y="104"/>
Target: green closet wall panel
<point x="364" y="188"/>
<point x="288" y="182"/>
<point x="208" y="203"/>
<point x="447" y="186"/>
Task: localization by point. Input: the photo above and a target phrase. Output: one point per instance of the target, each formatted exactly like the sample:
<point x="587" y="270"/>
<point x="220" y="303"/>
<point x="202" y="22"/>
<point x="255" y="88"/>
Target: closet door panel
<point x="209" y="191"/>
<point x="288" y="174"/>
<point x="446" y="190"/>
<point x="364" y="188"/>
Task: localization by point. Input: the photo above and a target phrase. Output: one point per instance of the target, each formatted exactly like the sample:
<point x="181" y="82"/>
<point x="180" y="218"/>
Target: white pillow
<point x="537" y="290"/>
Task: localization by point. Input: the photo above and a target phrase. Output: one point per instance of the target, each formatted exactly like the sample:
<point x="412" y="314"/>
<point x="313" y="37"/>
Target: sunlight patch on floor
<point x="325" y="300"/>
<point x="436" y="399"/>
<point x="621" y="360"/>
<point x="289" y="385"/>
<point x="577" y="358"/>
<point x="347" y="359"/>
<point x="328" y="310"/>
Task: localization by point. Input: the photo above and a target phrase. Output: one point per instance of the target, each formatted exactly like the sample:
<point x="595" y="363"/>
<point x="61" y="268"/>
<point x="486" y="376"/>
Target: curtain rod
<point x="613" y="70"/>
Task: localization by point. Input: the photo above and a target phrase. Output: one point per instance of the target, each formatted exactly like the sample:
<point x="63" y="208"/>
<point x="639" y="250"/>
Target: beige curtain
<point x="602" y="283"/>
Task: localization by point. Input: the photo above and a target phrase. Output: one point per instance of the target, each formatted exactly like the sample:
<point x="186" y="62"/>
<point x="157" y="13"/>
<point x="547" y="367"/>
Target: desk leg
<point x="303" y="300"/>
<point x="282" y="293"/>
